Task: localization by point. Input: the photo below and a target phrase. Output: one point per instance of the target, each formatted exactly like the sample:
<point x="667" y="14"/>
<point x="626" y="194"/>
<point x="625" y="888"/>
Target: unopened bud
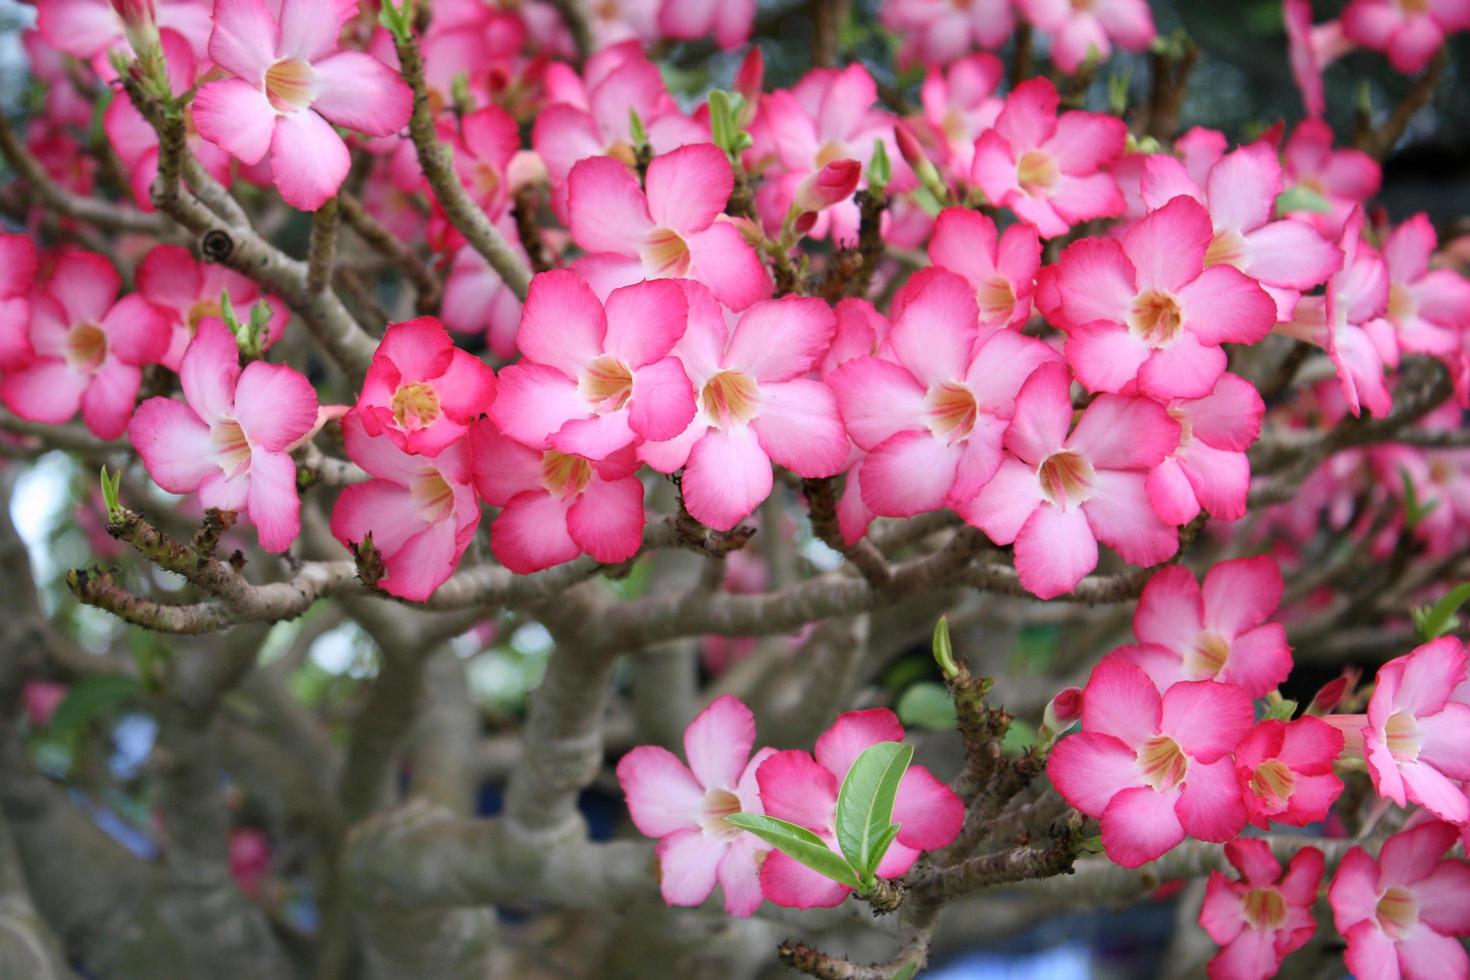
<point x="748" y="82"/>
<point x="919" y="162"/>
<point x="831" y="185"/>
<point x="1063" y="711"/>
<point x="140" y="24"/>
<point x="1332" y="694"/>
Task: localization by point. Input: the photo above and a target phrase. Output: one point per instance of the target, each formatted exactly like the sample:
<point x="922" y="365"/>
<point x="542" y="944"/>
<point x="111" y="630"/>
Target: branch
<point x="323" y="249"/>
<point x="426" y="284"/>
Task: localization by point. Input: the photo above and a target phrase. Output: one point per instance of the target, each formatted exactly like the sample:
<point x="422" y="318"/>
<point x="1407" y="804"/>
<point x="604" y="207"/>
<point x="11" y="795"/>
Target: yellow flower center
<point x="1273" y="781"/>
<point x="202" y="309"/>
<point x="952" y="411"/>
<point x="1208" y="657"/>
<point x="607" y="384"/>
<point x="231" y="448"/>
<point x="666" y="253"/>
<point x="1226" y="248"/>
<point x="1401" y="733"/>
<point x="1397" y="910"/>
<point x="290" y="84"/>
<point x="86" y="347"/>
<point x="1264" y="908"/>
<point x="415" y="407"/>
<point x="1066" y="478"/>
<point x="730" y="397"/>
<point x="719" y="804"/>
<point x="433" y="494"/>
<point x="563" y="474"/>
<point x="1162" y="762"/>
<point x="831" y="152"/>
<point x="1401" y="305"/>
<point x="1155" y="318"/>
<point x="996" y="298"/>
<point x="1037" y="172"/>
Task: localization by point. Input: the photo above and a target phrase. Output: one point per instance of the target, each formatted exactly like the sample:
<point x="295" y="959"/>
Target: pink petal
<point x="1004" y="504"/>
<point x="1241" y="594"/>
<point x="1428" y="786"/>
<point x="309" y="28"/>
<point x="84" y="284"/>
<point x="243" y="39"/>
<point x="1096" y="281"/>
<point x="1222" y="912"/>
<point x="964" y="242"/>
<point x="1206" y="719"/>
<point x="108" y="402"/>
<point x="663" y="795"/>
<point x="1119" y="433"/>
<point x="1209" y="806"/>
<point x="1291" y="253"/>
<point x="1184" y="369"/>
<point x="688" y="187"/>
<point x="1170" y="492"/>
<point x="562" y="323"/>
<point x="1259" y="660"/>
<point x="1121" y="701"/>
<point x="1253" y="953"/>
<point x="1412" y="855"/>
<point x="1230" y="417"/>
<point x="1167" y="248"/>
<point x="724" y="261"/>
<point x="939" y="324"/>
<point x="1001" y="365"/>
<point x="739" y="875"/>
<point x="1089" y="769"/>
<point x="237" y="117"/>
<point x="1222" y="305"/>
<point x="1243" y="188"/>
<point x="1170" y="610"/>
<point x="1120" y="515"/>
<point x="1441" y="897"/>
<point x="44" y="391"/>
<point x="1053" y="550"/>
<point x="1086" y="141"/>
<point x="533" y="402"/>
<point x="174" y="444"/>
<point x="531" y="533"/>
<point x="1164" y="178"/>
<point x="718" y="742"/>
<point x="1445" y="740"/>
<point x="781" y="339"/>
<point x="609" y="212"/>
<point x="929" y="814"/>
<point x="799" y="428"/>
<point x="385" y="510"/>
<point x="853" y="733"/>
<point x="606" y="520"/>
<point x="1030" y="115"/>
<point x="645" y="321"/>
<point x="1221" y="480"/>
<point x="275" y="508"/>
<point x="1429" y="673"/>
<point x="792" y="884"/>
<point x="595" y="438"/>
<point x="1139" y="825"/>
<point x="358" y="91"/>
<point x="663" y="400"/>
<point x="1252" y="857"/>
<point x="275" y="405"/>
<point x="796" y="788"/>
<point x="1043" y="414"/>
<point x="726" y="478"/>
<point x="688" y="861"/>
<point x="309" y="161"/>
<point x="877" y="399"/>
<point x="1105" y="355"/>
<point x="138" y="332"/>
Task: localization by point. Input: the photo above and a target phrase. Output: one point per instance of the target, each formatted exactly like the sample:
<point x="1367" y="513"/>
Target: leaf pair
<point x="864" y="824"/>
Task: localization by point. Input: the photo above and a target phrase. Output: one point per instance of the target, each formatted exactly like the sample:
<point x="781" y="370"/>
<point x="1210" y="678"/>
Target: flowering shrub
<point x="548" y="345"/>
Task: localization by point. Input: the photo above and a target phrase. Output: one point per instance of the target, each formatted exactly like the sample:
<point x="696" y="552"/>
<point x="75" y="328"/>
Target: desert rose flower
<point x="1409" y="33"/>
<point x="1153" y="769"/>
<point x="289" y="87"/>
<point x="756" y="405"/>
<point x="170" y="278"/>
<point x="1417" y="741"/>
<point x="684" y="807"/>
<point x="959" y="105"/>
<point x="1428" y="309"/>
<point x="673" y="231"/>
<point x="1082" y="31"/>
<point x="421" y="390"/>
<point x="1218" y="632"/>
<point x="1346" y="178"/>
<point x="727" y="21"/>
<point x="555" y="505"/>
<point x="803" y="788"/>
<point x="831" y="185"/>
<point x="88" y="351"/>
<point x="1062" y="488"/>
<point x="1210" y="470"/>
<point x="1265" y="915"/>
<point x="1000" y="268"/>
<point x="1285" y="771"/>
<point x="936" y="32"/>
<point x="1401" y="914"/>
<point x="88" y="29"/>
<point x="1049" y="169"/>
<point x="232" y="440"/>
<point x="18" y="262"/>
<point x="594" y="378"/>
<point x="421" y="511"/>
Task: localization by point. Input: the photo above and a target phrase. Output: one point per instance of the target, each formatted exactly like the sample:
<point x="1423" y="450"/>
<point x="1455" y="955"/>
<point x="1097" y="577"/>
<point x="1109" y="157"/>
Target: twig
<point x="323" y="248"/>
<point x="426" y="284"/>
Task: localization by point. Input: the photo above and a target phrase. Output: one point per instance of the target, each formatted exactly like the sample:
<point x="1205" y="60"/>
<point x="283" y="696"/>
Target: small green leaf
<point x="943" y="650"/>
<point x="926" y="705"/>
<point x="636" y="129"/>
<point x="1441" y="619"/>
<point x="880" y="169"/>
<point x="1301" y="198"/>
<point x="906" y="972"/>
<point x="397" y="20"/>
<point x="92" y="698"/>
<point x="110" y="492"/>
<point x="1278" y="708"/>
<point x="1093" y="844"/>
<point x="799" y="844"/>
<point x="1414" y="510"/>
<point x="865" y="803"/>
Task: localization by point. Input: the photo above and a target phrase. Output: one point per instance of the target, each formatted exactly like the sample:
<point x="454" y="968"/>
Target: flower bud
<point x="1063" y="711"/>
<point x="910" y="147"/>
<point x="1333" y="693"/>
<point x="831" y="185"/>
<point x="748" y="82"/>
<point x="140" y="24"/>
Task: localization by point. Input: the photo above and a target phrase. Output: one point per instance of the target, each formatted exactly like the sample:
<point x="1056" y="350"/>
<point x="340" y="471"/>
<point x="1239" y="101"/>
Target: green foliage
<point x="943" y="649"/>
<point x="1442" y="618"/>
<point x="926" y="705"/>
<point x="799" y="844"/>
<point x="865" y="825"/>
<point x="90" y="699"/>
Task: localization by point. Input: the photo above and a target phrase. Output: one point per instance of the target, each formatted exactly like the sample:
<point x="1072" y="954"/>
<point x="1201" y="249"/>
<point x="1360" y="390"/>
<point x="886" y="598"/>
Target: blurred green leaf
<point x="927" y="705"/>
<point x="90" y="699"/>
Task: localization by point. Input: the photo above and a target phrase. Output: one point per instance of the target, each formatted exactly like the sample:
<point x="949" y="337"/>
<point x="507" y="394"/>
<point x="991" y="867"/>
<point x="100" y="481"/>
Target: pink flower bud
<point x="748" y="82"/>
<point x="831" y="185"/>
<point x="140" y="24"/>
<point x="1332" y="694"/>
<point x="1063" y="711"/>
<point x="910" y="147"/>
<point x="250" y="858"/>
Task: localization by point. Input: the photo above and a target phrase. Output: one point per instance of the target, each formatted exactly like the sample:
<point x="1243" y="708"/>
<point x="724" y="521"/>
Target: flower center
<point x="996" y="298"/>
<point x="666" y="254"/>
<point x="1226" y="248"/>
<point x="1162" y="762"/>
<point x="831" y="152"/>
<point x="1209" y="655"/>
<point x="86" y="347"/>
<point x="607" y="384"/>
<point x="433" y="494"/>
<point x="1155" y="318"/>
<point x="624" y="154"/>
<point x="415" y="407"/>
<point x="231" y="447"/>
<point x="730" y="397"/>
<point x="1036" y="172"/>
<point x="202" y="309"/>
<point x="1397" y="910"/>
<point x="1264" y="908"/>
<point x="719" y="804"/>
<point x="564" y="474"/>
<point x="952" y="411"/>
<point x="1414" y="6"/>
<point x="1082" y="6"/>
<point x="486" y="180"/>
<point x="1401" y="733"/>
<point x="1401" y="305"/>
<point x="1273" y="781"/>
<point x="290" y="84"/>
<point x="1066" y="478"/>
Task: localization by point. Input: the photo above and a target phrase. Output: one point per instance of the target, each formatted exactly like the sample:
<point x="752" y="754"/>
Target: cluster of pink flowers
<point x="684" y="807"/>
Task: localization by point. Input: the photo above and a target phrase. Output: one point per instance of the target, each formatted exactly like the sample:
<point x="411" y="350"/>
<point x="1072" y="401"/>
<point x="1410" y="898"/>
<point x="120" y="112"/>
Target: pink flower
<point x="290" y="86"/>
<point x="727" y="21"/>
<point x="172" y="280"/>
<point x="88" y="29"/>
<point x="232" y="440"/>
<point x="1219" y="633"/>
<point x="1428" y="309"/>
<point x="1000" y="269"/>
<point x="1264" y="916"/>
<point x="18" y="263"/>
<point x="1082" y="31"/>
<point x="1285" y="771"/>
<point x="1346" y="178"/>
<point x="554" y="505"/>
<point x="961" y="104"/>
<point x="1311" y="49"/>
<point x="1145" y="309"/>
<point x="802" y="789"/>
<point x="932" y="413"/>
<point x="1417" y="740"/>
<point x="673" y="231"/>
<point x="1285" y="256"/>
<point x="88" y="350"/>
<point x="1409" y="32"/>
<point x="1153" y="770"/>
<point x="1210" y="470"/>
<point x="1336" y="321"/>
<point x="477" y="300"/>
<point x="1400" y="914"/>
<point x="936" y="32"/>
<point x="1049" y="169"/>
<point x="41" y="699"/>
<point x="685" y="807"/>
<point x="250" y="859"/>
<point x="421" y="390"/>
<point x="594" y="379"/>
<point x="1057" y="495"/>
<point x="755" y="405"/>
<point x="420" y="510"/>
<point x="487" y="140"/>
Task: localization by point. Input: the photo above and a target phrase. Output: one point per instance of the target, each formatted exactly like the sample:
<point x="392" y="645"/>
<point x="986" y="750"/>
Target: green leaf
<point x="397" y="20"/>
<point x="90" y="699"/>
<point x="1441" y="619"/>
<point x="865" y="803"/>
<point x="880" y="169"/>
<point x="1019" y="737"/>
<point x="1279" y="709"/>
<point x="1414" y="510"/>
<point x="943" y="650"/>
<point x="906" y="972"/>
<point x="111" y="487"/>
<point x="927" y="705"/>
<point x="636" y="129"/>
<point x="799" y="844"/>
<point x="1302" y="198"/>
